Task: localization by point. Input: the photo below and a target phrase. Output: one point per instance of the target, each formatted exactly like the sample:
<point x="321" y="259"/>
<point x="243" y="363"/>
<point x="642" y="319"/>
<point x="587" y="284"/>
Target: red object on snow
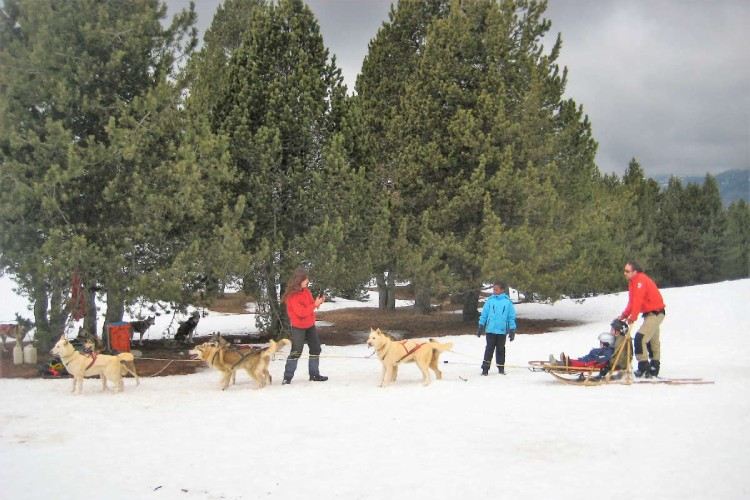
<point x="119" y="336"/>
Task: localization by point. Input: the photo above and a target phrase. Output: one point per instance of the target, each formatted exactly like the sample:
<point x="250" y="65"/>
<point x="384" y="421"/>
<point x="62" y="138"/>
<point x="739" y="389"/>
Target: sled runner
<point x="674" y="381"/>
<point x="576" y="375"/>
<point x="588" y="376"/>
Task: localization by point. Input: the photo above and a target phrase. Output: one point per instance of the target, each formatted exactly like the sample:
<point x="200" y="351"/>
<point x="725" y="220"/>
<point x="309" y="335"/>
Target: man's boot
<point x="655" y="366"/>
<point x="644" y="370"/>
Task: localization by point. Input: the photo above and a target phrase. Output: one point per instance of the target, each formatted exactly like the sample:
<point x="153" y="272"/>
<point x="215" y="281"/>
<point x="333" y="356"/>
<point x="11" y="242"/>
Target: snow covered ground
<point x="517" y="436"/>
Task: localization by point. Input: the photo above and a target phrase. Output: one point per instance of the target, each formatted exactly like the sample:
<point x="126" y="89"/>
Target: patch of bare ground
<point x="232" y="303"/>
<point x="351" y="326"/>
<point x="156" y="358"/>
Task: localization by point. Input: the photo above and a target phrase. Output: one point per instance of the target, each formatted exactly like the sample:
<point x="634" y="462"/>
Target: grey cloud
<point x="663" y="81"/>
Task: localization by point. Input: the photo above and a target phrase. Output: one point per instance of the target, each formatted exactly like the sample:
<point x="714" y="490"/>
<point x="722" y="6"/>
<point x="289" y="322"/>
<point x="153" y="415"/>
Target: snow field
<point x="523" y="435"/>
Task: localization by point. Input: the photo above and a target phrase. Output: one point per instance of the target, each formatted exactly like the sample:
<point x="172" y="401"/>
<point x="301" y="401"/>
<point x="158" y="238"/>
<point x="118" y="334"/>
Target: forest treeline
<point x="153" y="168"/>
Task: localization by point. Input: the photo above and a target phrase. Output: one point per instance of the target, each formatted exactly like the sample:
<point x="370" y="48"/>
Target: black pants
<point x="299" y="338"/>
<point x="495" y="343"/>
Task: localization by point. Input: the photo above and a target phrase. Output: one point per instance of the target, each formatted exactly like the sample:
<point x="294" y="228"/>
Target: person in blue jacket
<point x="497" y="321"/>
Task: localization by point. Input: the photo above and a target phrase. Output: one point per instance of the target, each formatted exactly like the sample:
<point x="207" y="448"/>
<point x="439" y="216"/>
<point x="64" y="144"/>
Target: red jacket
<point x="300" y="306"/>
<point x="643" y="297"/>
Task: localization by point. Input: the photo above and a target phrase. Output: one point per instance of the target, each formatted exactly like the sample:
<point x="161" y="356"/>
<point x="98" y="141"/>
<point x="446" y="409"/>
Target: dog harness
<point x="93" y="359"/>
<point x="409" y="351"/>
<point x="244" y="356"/>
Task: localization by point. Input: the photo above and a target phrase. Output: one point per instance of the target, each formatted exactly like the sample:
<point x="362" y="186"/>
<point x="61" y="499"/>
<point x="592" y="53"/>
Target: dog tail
<point x="440" y="346"/>
<point x="127" y="365"/>
<point x="275" y="346"/>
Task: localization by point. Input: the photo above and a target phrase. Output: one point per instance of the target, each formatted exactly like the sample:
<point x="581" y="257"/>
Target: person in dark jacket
<point x="597" y="357"/>
<point x="497" y="321"/>
<point x="300" y="307"/>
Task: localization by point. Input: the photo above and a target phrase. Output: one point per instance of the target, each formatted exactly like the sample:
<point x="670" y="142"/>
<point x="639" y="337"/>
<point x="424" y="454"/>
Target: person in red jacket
<point x="300" y="307"/>
<point x="644" y="298"/>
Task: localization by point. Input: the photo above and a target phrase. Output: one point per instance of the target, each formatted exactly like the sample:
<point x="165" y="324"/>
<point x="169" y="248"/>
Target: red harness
<point x="93" y="359"/>
<point x="408" y="352"/>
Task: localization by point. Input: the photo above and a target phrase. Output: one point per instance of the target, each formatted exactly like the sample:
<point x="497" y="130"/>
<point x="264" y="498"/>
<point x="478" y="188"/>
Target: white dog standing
<point x="425" y="353"/>
<point x="107" y="367"/>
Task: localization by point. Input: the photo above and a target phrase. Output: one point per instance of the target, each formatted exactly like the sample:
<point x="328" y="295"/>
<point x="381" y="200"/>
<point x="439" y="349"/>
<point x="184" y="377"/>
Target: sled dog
<point x="107" y="367"/>
<point x="187" y="328"/>
<point x="221" y="355"/>
<point x="425" y="353"/>
<point x="141" y="326"/>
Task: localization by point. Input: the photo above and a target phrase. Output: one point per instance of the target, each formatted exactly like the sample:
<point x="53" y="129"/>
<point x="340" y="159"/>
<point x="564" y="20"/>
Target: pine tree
<point x="92" y="127"/>
<point x="208" y="68"/>
<point x="389" y="65"/>
<point x="483" y="117"/>
<point x="710" y="225"/>
<point x="675" y="238"/>
<point x="736" y="254"/>
<point x="641" y="221"/>
<point x="282" y="104"/>
<point x="693" y="225"/>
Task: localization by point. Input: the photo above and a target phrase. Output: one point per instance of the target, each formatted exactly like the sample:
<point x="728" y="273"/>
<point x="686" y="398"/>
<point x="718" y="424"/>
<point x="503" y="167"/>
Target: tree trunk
<point x="391" y="287"/>
<point x="43" y="336"/>
<point x="386" y="290"/>
<point x="89" y="321"/>
<point x="382" y="291"/>
<point x="58" y="314"/>
<point x="277" y="316"/>
<point x="249" y="285"/>
<point x="115" y="310"/>
<point x="422" y="296"/>
<point x="470" y="303"/>
<point x="115" y="307"/>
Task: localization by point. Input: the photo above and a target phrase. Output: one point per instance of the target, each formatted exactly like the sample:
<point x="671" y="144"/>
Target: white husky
<point x="106" y="366"/>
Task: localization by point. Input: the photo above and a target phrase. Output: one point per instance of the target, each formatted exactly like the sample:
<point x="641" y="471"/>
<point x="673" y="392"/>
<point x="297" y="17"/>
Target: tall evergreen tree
<point x="90" y="115"/>
<point x="736" y="255"/>
<point x="208" y="69"/>
<point x="641" y="220"/>
<point x="389" y="65"/>
<point x="709" y="223"/>
<point x="495" y="169"/>
<point x="674" y="236"/>
<point x="281" y="105"/>
<point x="691" y="233"/>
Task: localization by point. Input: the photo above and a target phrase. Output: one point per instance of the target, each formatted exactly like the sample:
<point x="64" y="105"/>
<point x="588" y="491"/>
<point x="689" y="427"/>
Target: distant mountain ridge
<point x="733" y="184"/>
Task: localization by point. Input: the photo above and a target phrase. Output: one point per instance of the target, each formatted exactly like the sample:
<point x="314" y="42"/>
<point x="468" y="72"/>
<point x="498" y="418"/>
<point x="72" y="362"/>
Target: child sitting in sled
<point x="598" y="357"/>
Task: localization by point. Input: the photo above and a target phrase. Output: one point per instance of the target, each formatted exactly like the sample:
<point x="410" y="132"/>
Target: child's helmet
<point x="607" y="338"/>
<point x="619" y="326"/>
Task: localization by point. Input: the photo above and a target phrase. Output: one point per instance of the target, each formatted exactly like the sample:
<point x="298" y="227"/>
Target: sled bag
<point x="119" y="336"/>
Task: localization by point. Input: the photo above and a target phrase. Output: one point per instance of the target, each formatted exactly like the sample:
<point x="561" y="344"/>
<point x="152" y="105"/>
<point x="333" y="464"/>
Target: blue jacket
<point x="599" y="354"/>
<point x="498" y="315"/>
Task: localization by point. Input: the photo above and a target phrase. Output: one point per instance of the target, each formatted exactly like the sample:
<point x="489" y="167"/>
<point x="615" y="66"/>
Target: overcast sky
<point x="665" y="81"/>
